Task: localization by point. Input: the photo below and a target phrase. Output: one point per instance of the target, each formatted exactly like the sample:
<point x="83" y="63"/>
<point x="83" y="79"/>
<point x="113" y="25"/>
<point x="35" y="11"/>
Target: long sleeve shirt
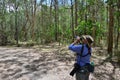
<point x="77" y="49"/>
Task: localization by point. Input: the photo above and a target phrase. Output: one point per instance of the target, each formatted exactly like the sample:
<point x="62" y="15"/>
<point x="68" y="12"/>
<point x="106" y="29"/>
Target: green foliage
<point x="50" y="33"/>
<point x="117" y="13"/>
<point x="91" y="2"/>
<point x="80" y="29"/>
<point x="88" y="26"/>
<point x="44" y="27"/>
<point x="100" y="30"/>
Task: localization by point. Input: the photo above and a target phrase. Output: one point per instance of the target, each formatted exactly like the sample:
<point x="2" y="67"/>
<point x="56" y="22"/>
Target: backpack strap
<point x="81" y="53"/>
<point x="81" y="50"/>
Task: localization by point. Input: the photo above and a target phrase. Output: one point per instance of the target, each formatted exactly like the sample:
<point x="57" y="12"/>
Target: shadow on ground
<point x="49" y="63"/>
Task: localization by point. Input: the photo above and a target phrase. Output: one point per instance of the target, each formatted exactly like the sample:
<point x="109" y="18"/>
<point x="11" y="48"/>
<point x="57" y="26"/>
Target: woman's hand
<point x="77" y="40"/>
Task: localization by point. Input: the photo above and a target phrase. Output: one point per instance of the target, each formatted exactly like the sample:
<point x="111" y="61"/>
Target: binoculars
<point x="78" y="38"/>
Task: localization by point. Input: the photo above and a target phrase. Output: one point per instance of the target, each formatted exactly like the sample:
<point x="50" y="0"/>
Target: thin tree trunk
<point x="24" y="29"/>
<point x="72" y="21"/>
<point x="33" y="19"/>
<point x="85" y="19"/>
<point x="81" y="10"/>
<point x="16" y="24"/>
<point x="118" y="18"/>
<point x="94" y="12"/>
<point x="56" y="19"/>
<point x="76" y="15"/>
<point x="41" y="20"/>
<point x="118" y="35"/>
<point x="110" y="32"/>
<point x="51" y="10"/>
<point x="2" y="25"/>
<point x="28" y="21"/>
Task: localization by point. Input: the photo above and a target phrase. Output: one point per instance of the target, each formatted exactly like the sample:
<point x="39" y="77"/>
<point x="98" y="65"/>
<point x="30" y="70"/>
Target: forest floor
<point x="50" y="62"/>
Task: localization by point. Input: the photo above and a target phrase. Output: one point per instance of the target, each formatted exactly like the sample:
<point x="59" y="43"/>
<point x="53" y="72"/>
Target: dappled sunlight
<point x="49" y="63"/>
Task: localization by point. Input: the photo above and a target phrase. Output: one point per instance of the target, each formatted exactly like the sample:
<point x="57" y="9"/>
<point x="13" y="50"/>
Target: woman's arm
<point x="75" y="48"/>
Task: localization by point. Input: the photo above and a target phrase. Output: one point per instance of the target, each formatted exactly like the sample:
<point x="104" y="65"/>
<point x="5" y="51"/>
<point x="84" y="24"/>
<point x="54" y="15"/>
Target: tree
<point x="33" y="18"/>
<point x="110" y="29"/>
<point x="72" y="21"/>
<point x="118" y="22"/>
<point x="56" y="19"/>
<point x="53" y="20"/>
<point x="3" y="36"/>
<point x="76" y="11"/>
<point x="16" y="23"/>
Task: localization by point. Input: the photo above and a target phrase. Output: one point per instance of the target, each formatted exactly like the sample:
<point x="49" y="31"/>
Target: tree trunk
<point x="85" y="19"/>
<point x="56" y="19"/>
<point x="76" y="15"/>
<point x="51" y="3"/>
<point x="16" y="24"/>
<point x="28" y="20"/>
<point x="110" y="31"/>
<point x="33" y="19"/>
<point x="72" y="21"/>
<point x="118" y="19"/>
<point x="94" y="12"/>
<point x="81" y="9"/>
<point x="2" y="24"/>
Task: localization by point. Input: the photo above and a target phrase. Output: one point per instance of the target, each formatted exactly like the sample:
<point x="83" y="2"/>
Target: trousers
<point x="82" y="74"/>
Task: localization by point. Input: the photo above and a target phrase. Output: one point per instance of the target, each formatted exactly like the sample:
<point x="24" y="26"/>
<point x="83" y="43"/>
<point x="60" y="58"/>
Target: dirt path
<point x="47" y="63"/>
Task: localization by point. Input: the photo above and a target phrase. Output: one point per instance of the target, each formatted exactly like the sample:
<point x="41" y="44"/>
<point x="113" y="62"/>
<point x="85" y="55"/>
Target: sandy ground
<point x="48" y="63"/>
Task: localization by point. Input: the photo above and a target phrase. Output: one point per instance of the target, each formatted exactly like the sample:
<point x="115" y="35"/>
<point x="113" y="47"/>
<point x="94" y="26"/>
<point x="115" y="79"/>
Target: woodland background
<point x="35" y="22"/>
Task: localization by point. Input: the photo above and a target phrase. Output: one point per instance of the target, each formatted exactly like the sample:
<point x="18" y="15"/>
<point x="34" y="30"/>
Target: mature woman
<point x="83" y="52"/>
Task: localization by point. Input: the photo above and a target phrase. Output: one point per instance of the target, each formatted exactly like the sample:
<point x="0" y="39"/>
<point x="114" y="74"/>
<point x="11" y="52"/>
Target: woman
<point x="83" y="52"/>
